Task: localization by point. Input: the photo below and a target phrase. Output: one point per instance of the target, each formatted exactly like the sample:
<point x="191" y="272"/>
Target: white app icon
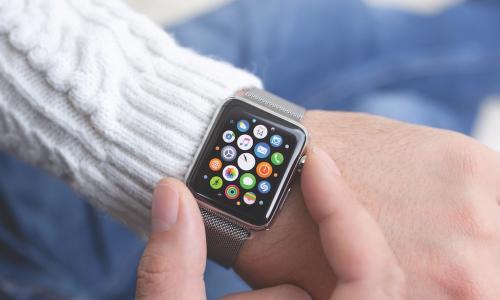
<point x="228" y="136"/>
<point x="228" y="153"/>
<point x="245" y="142"/>
<point x="246" y="161"/>
<point x="260" y="131"/>
<point x="230" y="173"/>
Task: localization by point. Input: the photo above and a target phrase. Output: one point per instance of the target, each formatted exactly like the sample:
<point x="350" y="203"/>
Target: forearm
<point x="101" y="97"/>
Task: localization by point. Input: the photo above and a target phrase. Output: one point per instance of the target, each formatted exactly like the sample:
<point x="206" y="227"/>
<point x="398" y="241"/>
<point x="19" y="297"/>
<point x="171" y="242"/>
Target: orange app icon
<point x="264" y="169"/>
<point x="215" y="164"/>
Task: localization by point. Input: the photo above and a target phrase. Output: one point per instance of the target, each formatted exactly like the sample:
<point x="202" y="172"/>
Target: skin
<point x="174" y="259"/>
<point x="434" y="193"/>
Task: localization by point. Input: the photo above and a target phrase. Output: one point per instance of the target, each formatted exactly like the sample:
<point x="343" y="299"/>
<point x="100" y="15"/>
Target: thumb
<point x="352" y="241"/>
<point x="173" y="262"/>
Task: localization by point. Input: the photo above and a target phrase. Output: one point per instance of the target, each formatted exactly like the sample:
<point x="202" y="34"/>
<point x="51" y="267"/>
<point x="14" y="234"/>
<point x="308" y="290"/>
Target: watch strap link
<point x="225" y="238"/>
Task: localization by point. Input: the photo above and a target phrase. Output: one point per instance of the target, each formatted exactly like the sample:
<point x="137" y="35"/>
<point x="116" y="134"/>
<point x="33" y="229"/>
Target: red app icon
<point x="264" y="169"/>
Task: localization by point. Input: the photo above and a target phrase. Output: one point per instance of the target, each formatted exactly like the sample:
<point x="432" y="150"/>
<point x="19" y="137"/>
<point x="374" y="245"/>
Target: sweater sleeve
<point x="102" y="98"/>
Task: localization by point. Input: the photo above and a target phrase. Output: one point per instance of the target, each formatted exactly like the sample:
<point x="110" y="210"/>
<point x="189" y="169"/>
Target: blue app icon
<point x="243" y="125"/>
<point x="264" y="187"/>
<point x="276" y="140"/>
<point x="262" y="150"/>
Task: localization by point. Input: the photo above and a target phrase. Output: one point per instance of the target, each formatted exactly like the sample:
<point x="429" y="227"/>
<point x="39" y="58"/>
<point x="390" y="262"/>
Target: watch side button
<point x="301" y="164"/>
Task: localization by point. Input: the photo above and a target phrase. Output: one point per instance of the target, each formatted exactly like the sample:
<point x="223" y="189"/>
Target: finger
<point x="173" y="262"/>
<point x="284" y="292"/>
<point x="352" y="241"/>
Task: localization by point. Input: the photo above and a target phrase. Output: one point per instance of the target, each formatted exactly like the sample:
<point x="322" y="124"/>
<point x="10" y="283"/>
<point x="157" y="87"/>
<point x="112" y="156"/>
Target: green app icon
<point x="216" y="182"/>
<point x="247" y="181"/>
<point x="277" y="159"/>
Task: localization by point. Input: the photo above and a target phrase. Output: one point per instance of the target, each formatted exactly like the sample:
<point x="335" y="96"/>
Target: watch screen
<point x="246" y="162"/>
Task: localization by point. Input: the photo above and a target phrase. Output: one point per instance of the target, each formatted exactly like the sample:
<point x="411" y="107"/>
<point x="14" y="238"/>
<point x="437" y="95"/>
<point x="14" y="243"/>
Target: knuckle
<point x="149" y="283"/>
<point x="459" y="282"/>
<point x="151" y="275"/>
<point x="474" y="221"/>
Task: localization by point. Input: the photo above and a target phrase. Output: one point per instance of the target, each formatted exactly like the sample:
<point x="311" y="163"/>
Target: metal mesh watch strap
<point x="273" y="102"/>
<point x="225" y="238"/>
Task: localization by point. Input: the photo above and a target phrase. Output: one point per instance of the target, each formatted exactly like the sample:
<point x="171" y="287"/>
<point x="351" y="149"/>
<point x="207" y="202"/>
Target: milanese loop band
<point x="273" y="102"/>
<point x="225" y="238"/>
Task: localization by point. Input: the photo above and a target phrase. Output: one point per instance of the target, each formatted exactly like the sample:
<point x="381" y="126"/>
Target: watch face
<point x="246" y="163"/>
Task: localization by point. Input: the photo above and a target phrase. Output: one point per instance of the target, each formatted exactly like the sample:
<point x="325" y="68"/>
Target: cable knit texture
<point x="101" y="97"/>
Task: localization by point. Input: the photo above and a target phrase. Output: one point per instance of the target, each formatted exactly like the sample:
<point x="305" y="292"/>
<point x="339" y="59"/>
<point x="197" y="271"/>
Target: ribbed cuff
<point x="109" y="96"/>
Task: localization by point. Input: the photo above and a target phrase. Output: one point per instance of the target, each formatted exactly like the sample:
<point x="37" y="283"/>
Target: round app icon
<point x="264" y="169"/>
<point x="277" y="159"/>
<point x="262" y="150"/>
<point x="246" y="161"/>
<point x="264" y="187"/>
<point x="228" y="136"/>
<point x="232" y="192"/>
<point x="230" y="173"/>
<point x="215" y="164"/>
<point x="249" y="198"/>
<point x="243" y="125"/>
<point x="245" y="142"/>
<point x="260" y="131"/>
<point x="228" y="153"/>
<point x="276" y="140"/>
<point x="247" y="181"/>
<point x="216" y="182"/>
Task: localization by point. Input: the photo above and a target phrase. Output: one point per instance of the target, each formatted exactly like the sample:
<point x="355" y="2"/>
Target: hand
<point x="174" y="260"/>
<point x="434" y="193"/>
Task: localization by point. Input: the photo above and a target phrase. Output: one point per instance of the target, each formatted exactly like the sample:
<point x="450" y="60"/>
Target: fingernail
<point x="327" y="161"/>
<point x="165" y="208"/>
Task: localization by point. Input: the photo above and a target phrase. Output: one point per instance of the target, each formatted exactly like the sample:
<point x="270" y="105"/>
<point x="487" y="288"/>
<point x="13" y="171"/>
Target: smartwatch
<point x="242" y="173"/>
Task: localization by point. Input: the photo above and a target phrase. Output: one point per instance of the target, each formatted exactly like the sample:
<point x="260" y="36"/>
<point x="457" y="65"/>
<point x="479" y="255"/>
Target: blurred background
<point x="431" y="62"/>
<point x="168" y="12"/>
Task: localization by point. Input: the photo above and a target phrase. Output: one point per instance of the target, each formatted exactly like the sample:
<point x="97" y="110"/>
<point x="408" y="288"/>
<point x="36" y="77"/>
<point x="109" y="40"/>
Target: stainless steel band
<point x="282" y="106"/>
<point x="225" y="238"/>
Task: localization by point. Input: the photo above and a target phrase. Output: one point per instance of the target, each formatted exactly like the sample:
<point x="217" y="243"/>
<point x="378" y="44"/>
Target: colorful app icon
<point x="249" y="198"/>
<point x="262" y="150"/>
<point x="216" y="182"/>
<point x="277" y="159"/>
<point x="246" y="161"/>
<point x="264" y="169"/>
<point x="243" y="125"/>
<point x="276" y="140"/>
<point x="228" y="153"/>
<point x="215" y="164"/>
<point x="232" y="192"/>
<point x="230" y="173"/>
<point x="245" y="142"/>
<point x="260" y="131"/>
<point x="247" y="181"/>
<point x="228" y="136"/>
<point x="264" y="187"/>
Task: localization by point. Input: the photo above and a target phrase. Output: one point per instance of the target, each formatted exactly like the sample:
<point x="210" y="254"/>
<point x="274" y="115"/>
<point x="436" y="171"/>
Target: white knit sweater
<point x="101" y="97"/>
